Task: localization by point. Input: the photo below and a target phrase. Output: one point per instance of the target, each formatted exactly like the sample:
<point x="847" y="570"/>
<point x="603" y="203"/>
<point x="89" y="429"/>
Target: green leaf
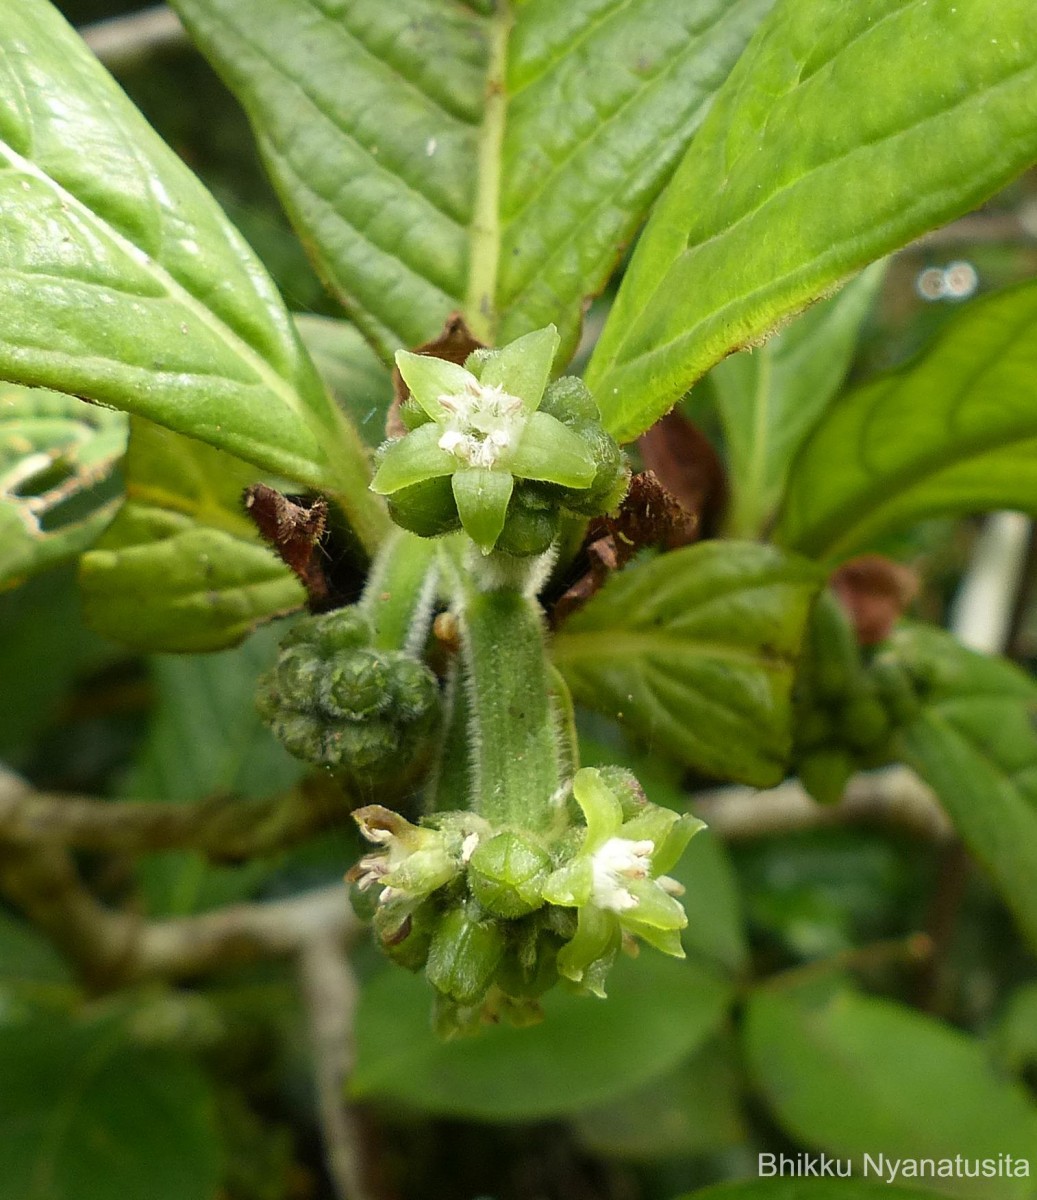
<point x="1013" y="1039"/>
<point x="85" y="1115"/>
<point x="695" y="651"/>
<point x="854" y="1075"/>
<point x="436" y="156"/>
<point x="58" y="480"/>
<point x="122" y="282"/>
<point x="845" y="131"/>
<point x="808" y="1189"/>
<point x="206" y="739"/>
<point x="770" y="398"/>
<point x="693" y="1110"/>
<point x="953" y="432"/>
<point x="182" y="568"/>
<point x="358" y="380"/>
<point x="585" y="1051"/>
<point x="975" y="744"/>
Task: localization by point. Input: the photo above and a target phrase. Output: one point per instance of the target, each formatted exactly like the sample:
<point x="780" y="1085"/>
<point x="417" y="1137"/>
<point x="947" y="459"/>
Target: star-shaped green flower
<point x="617" y="883"/>
<point x="484" y="431"/>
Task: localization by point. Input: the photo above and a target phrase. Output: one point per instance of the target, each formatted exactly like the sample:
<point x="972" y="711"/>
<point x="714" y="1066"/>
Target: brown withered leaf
<point x="875" y="591"/>
<point x="684" y="461"/>
<point x="648" y="516"/>
<point x="294" y="531"/>
<point x="454" y="344"/>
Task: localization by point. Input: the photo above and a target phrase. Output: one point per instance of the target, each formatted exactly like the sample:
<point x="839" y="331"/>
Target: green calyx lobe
<point x="494" y="449"/>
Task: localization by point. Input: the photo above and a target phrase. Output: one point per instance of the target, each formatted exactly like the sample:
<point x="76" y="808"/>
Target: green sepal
<point x="553" y="453"/>
<point x="595" y="944"/>
<point x="411" y="459"/>
<point x="429" y="378"/>
<point x="482" y="498"/>
<point x="523" y="367"/>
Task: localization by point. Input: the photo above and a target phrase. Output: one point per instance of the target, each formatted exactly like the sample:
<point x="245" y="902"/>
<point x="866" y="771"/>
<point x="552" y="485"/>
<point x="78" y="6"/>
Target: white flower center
<point x="483" y="424"/>
<point x="618" y="860"/>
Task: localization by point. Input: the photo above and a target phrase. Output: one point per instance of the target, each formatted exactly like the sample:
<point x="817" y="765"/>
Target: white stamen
<point x="483" y="423"/>
<point x="617" y="860"/>
<point x="469" y="846"/>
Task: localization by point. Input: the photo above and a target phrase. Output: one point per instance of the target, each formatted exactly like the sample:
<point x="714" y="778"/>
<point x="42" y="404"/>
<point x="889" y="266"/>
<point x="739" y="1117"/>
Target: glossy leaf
<point x="206" y="739"/>
<point x="953" y="432"/>
<point x="586" y="1050"/>
<point x="845" y="131"/>
<point x="357" y="378"/>
<point x="809" y="1189"/>
<point x="695" y="652"/>
<point x="85" y="1115"/>
<point x="182" y="568"/>
<point x="768" y="399"/>
<point x="122" y="282"/>
<point x="437" y="156"/>
<point x="59" y="486"/>
<point x="855" y="1075"/>
<point x="693" y="1110"/>
<point x="975" y="744"/>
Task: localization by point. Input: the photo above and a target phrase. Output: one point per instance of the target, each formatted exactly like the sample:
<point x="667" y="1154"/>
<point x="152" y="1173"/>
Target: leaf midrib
<point x="614" y="644"/>
<point x="274" y="383"/>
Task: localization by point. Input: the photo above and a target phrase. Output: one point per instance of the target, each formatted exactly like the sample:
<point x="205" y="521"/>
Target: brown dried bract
<point x="648" y="516"/>
<point x="454" y="344"/>
<point x="688" y="467"/>
<point x="875" y="591"/>
<point x="294" y="531"/>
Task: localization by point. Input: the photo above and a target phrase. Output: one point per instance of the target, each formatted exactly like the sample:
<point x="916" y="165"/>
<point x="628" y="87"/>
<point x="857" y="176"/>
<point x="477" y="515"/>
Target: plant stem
<point x="516" y="773"/>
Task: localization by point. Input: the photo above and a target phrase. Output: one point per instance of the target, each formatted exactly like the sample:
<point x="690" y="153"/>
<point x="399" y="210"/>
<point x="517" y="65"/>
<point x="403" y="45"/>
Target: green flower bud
<point x="864" y="722"/>
<point x="427" y="508"/>
<point x="568" y="399"/>
<point x="355" y="685"/>
<point x="825" y="773"/>
<point x="464" y="956"/>
<point x="412" y="414"/>
<point x="532" y="521"/>
<point x="896" y="688"/>
<point x="611" y="474"/>
<point x="507" y="873"/>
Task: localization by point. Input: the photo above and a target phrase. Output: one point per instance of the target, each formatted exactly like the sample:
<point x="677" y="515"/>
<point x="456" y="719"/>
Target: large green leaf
<point x="693" y="1110"/>
<point x="586" y="1050"/>
<point x="356" y="377"/>
<point x="854" y="1075"/>
<point x="768" y="399"/>
<point x="58" y="481"/>
<point x="492" y="158"/>
<point x="85" y="1115"/>
<point x="975" y="744"/>
<point x="182" y="568"/>
<point x="846" y="130"/>
<point x="121" y="280"/>
<point x="955" y="431"/>
<point x="206" y="739"/>
<point x="695" y="651"/>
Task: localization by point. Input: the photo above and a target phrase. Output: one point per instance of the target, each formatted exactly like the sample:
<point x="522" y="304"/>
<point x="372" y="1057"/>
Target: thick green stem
<point x="513" y="736"/>
<point x="400" y="590"/>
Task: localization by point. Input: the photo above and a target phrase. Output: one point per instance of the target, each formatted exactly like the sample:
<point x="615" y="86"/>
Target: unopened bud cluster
<point x="848" y="707"/>
<point x="335" y="700"/>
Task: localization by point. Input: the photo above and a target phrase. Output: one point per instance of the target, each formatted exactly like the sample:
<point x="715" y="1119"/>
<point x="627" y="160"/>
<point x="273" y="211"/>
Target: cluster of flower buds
<point x="335" y="700"/>
<point x="494" y="449"/>
<point x="495" y="916"/>
<point x="848" y="706"/>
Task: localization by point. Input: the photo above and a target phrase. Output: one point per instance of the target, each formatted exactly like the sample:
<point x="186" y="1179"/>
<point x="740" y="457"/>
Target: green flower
<point x="480" y="427"/>
<point x="616" y="880"/>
